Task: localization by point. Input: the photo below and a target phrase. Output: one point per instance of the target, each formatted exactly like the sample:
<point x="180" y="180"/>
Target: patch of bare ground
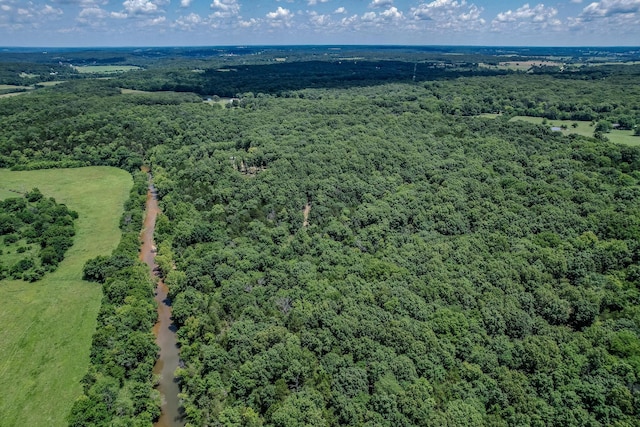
<point x="305" y="214"/>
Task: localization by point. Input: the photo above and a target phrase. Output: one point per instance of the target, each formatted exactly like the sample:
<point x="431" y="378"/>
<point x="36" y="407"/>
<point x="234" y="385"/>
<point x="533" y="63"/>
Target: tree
<point x="603" y="126"/>
<point x="626" y="122"/>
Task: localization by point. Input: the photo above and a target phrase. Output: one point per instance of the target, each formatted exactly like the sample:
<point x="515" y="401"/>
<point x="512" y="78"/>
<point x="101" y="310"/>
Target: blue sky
<point x="250" y="22"/>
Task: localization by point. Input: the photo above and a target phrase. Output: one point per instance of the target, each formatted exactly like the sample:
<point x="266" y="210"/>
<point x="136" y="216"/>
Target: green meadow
<point x="46" y="326"/>
<point x="99" y="69"/>
<point x="586" y="129"/>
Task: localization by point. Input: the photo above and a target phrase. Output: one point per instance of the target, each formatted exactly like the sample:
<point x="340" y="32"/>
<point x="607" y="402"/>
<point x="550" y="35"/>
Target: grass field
<point x="53" y="83"/>
<point x="220" y="101"/>
<point x="101" y="69"/>
<point x="46" y="326"/>
<point x="15" y="87"/>
<point x="584" y="128"/>
<point x="520" y="65"/>
<point x="7" y="95"/>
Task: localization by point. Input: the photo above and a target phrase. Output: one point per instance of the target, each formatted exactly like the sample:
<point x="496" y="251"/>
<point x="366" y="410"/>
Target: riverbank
<point x="164" y="330"/>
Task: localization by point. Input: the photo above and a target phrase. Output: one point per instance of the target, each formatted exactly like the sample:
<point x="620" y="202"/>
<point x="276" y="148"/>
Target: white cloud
<point x="225" y="8"/>
<point x="380" y="3"/>
<point x="320" y="20"/>
<point x="539" y="13"/>
<point x="20" y="16"/>
<point x="315" y="2"/>
<point x="137" y="7"/>
<point x="527" y="19"/>
<point x="448" y="14"/>
<point x="610" y="15"/>
<point x="188" y="22"/>
<point x="83" y="3"/>
<point x="49" y="10"/>
<point x="280" y="18"/>
<point x="608" y="8"/>
<point x="576" y="1"/>
<point x="392" y="13"/>
<point x="156" y="21"/>
<point x="340" y="10"/>
<point x="369" y="17"/>
<point x="348" y="21"/>
<point x="248" y="23"/>
<point x="280" y="14"/>
<point x="185" y="3"/>
<point x="92" y="13"/>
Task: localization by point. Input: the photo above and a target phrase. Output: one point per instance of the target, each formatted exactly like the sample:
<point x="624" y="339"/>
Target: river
<point x="164" y="330"/>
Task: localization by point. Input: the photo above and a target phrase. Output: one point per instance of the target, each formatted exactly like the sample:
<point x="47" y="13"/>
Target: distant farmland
<point x="105" y="69"/>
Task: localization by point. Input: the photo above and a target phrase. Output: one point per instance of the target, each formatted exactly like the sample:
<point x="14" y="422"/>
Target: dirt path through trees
<point x="305" y="213"/>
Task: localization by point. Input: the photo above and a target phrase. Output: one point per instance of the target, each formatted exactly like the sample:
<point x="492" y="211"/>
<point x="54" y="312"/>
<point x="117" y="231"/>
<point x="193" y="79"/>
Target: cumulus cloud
<point x="340" y="10"/>
<point x="391" y="14"/>
<point x="20" y="15"/>
<point x="380" y="3"/>
<point x="315" y="2"/>
<point x="248" y="23"/>
<point x="539" y="16"/>
<point x="610" y="15"/>
<point x="369" y="17"/>
<point x="189" y="22"/>
<point x="155" y="21"/>
<point x="83" y="3"/>
<point x="224" y="9"/>
<point x="185" y="3"/>
<point x="449" y="14"/>
<point x="279" y="14"/>
<point x="608" y="8"/>
<point x="137" y="7"/>
<point x="539" y="13"/>
<point x="320" y="20"/>
<point x="281" y="17"/>
<point x="50" y="10"/>
<point x="90" y="14"/>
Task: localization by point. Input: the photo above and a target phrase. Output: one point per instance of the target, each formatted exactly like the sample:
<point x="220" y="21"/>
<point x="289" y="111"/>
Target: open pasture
<point x="105" y="69"/>
<point x="47" y="326"/>
<point x="585" y="128"/>
<point x="521" y="65"/>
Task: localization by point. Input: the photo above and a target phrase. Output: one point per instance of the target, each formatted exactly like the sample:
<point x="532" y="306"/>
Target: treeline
<point x="28" y="73"/>
<point x="118" y="387"/>
<point x="279" y="78"/>
<point x="83" y="123"/>
<point x="36" y="230"/>
<point x="613" y="98"/>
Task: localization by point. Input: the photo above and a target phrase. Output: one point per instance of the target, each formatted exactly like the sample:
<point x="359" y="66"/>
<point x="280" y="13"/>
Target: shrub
<point x="11" y="238"/>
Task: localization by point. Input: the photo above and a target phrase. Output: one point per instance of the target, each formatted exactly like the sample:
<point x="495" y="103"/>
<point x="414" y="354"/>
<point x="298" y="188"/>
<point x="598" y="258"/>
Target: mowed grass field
<point x="100" y="69"/>
<point x="584" y="128"/>
<point x="46" y="327"/>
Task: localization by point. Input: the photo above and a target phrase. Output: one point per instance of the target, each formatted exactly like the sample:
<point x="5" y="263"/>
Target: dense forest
<point x="374" y="252"/>
<point x="36" y="232"/>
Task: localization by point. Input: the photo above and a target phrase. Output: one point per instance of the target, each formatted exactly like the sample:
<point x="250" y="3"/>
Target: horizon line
<point x="247" y="45"/>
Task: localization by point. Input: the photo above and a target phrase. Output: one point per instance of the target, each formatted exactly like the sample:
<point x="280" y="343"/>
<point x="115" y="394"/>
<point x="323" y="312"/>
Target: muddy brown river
<point x="164" y="330"/>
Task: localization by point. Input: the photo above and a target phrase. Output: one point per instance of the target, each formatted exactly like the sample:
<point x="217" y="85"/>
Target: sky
<point x="88" y="23"/>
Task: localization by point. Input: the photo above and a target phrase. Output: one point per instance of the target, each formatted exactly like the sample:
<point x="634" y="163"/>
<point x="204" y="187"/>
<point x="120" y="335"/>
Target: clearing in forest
<point x="305" y="214"/>
<point x="47" y="326"/>
<point x="585" y="128"/>
<point x="102" y="69"/>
